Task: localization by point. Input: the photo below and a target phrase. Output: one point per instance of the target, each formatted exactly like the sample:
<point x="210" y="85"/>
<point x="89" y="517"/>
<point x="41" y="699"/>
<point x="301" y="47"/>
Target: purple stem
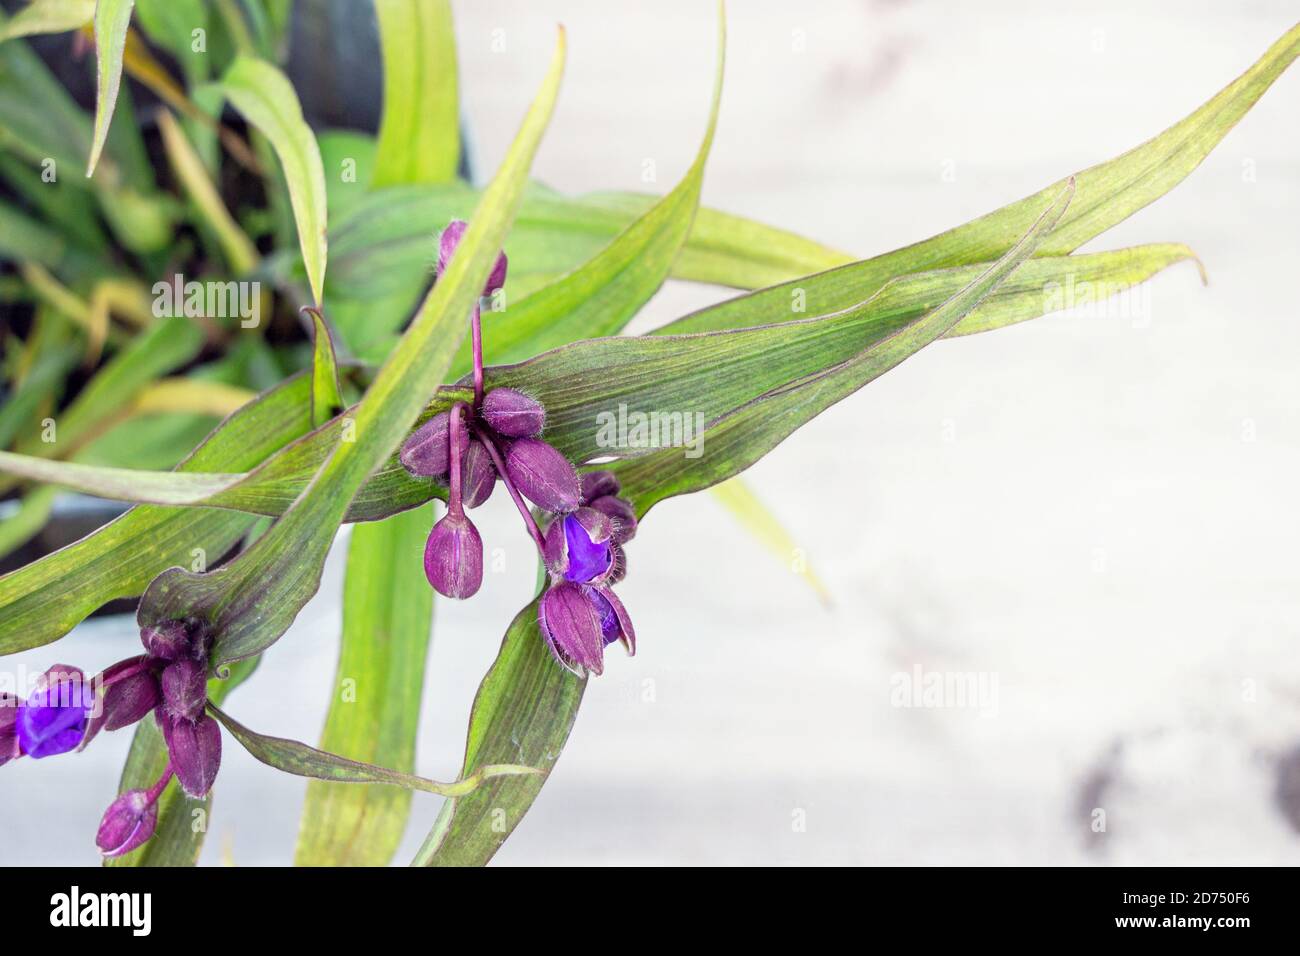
<point x="476" y="337"/>
<point x="454" y="506"/>
<point x="154" y="792"/>
<point x="529" y="522"/>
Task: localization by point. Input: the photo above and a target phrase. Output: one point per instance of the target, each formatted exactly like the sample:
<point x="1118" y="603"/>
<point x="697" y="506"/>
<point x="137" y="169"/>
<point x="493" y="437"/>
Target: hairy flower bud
<point x="450" y="239"/>
<point x="598" y="484"/>
<point x="130" y="691"/>
<point x="571" y="626"/>
<point x="127" y="823"/>
<point x="512" y="413"/>
<point x="427" y="453"/>
<point x="167" y="640"/>
<point x="621" y="513"/>
<point x="8" y="728"/>
<point x="195" y="750"/>
<point x="543" y="475"/>
<point x="185" y="688"/>
<point x="478" y="475"/>
<point x="453" y="557"/>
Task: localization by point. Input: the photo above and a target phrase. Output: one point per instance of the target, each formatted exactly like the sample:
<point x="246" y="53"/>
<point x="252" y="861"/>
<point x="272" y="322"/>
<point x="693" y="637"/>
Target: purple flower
<point x="579" y="620"/>
<point x="53" y="720"/>
<point x="579" y="615"/>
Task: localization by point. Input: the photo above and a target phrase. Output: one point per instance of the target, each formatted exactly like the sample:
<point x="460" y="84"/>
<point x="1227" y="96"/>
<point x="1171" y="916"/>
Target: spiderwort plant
<point x="299" y="454"/>
<point x="497" y="436"/>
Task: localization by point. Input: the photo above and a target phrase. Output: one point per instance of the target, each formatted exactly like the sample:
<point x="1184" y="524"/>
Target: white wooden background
<point x="1099" y="512"/>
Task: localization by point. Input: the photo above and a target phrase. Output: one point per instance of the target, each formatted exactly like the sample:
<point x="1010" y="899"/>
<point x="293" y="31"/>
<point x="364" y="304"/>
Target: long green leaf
<point x="708" y="376"/>
<point x="112" y="18"/>
<point x="266" y="99"/>
<point x="419" y="131"/>
<point x="48" y="16"/>
<point x="297" y="758"/>
<point x="375" y="708"/>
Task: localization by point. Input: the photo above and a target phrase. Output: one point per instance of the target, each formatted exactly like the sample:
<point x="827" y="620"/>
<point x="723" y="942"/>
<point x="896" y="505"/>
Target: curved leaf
<point x="112" y="18"/>
<point x="267" y="100"/>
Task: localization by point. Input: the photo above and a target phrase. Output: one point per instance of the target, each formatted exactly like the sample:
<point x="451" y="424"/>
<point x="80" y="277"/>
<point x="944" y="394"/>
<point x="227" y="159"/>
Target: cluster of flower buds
<point x="66" y="710"/>
<point x="497" y="437"/>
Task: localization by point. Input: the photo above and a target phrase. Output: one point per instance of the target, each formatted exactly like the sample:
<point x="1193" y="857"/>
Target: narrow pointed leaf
<point x="48" y="16"/>
<point x="267" y="100"/>
<point x="326" y="395"/>
<point x="112" y="18"/>
<point x="297" y="758"/>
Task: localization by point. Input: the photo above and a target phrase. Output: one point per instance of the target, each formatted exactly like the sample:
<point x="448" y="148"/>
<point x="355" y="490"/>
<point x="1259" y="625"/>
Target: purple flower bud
<point x="195" y="750"/>
<point x="167" y="641"/>
<point x="8" y="728"/>
<point x="450" y="239"/>
<point x="621" y="513"/>
<point x="130" y="691"/>
<point x="598" y="484"/>
<point x="571" y="626"/>
<point x="53" y="720"/>
<point x="427" y="453"/>
<point x="543" y="475"/>
<point x="185" y="688"/>
<point x="478" y="475"/>
<point x="127" y="823"/>
<point x="512" y="413"/>
<point x="578" y="545"/>
<point x="453" y="557"/>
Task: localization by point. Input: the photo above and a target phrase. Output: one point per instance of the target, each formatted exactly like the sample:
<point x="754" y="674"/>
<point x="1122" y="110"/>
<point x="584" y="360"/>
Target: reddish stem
<point x="454" y="506"/>
<point x="154" y="792"/>
<point x="476" y="337"/>
<point x="529" y="522"/>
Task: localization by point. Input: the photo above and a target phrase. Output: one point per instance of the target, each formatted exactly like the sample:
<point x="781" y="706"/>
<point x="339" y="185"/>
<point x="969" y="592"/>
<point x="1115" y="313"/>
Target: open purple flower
<point x="579" y="615"/>
<point x="54" y="718"/>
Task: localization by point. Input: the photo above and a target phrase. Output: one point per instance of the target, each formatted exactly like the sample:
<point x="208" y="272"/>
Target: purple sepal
<point x="512" y="413"/>
<point x="53" y="720"/>
<point x="167" y="640"/>
<point x="195" y="749"/>
<point x="127" y="823"/>
<point x="450" y="239"/>
<point x="427" y="453"/>
<point x="543" y="475"/>
<point x="617" y="565"/>
<point x="598" y="484"/>
<point x="130" y="691"/>
<point x="8" y="728"/>
<point x="453" y="557"/>
<point x="478" y="476"/>
<point x="621" y="513"/>
<point x="615" y="624"/>
<point x="571" y="626"/>
<point x="185" y="688"/>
